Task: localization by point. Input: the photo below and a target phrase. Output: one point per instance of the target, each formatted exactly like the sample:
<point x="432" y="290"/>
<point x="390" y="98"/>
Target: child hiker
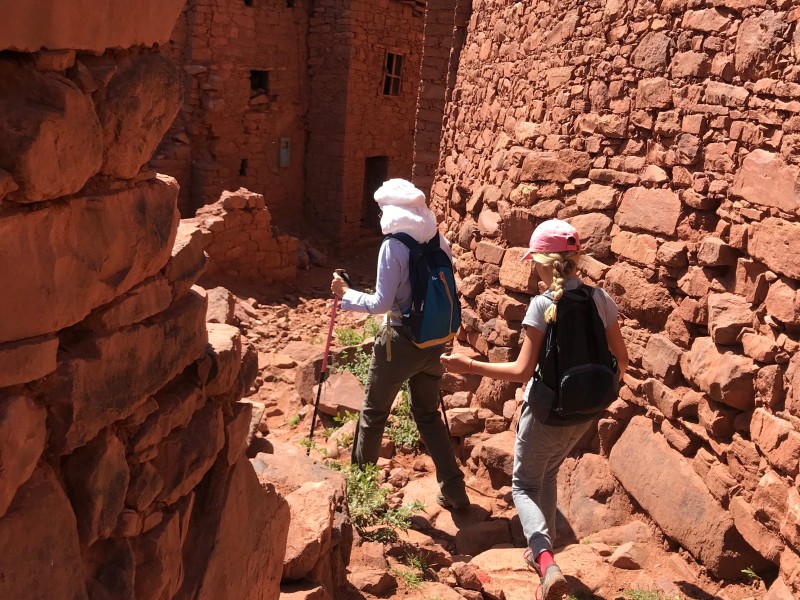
<point x="395" y="357"/>
<point x="541" y="447"/>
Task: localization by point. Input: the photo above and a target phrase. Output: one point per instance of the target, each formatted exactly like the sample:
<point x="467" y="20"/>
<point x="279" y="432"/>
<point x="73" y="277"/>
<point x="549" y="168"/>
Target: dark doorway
<point x="376" y="170"/>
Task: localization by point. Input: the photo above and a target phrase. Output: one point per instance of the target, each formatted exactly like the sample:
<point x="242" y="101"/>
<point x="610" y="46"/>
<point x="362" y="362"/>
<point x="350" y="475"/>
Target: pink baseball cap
<point x="554" y="235"/>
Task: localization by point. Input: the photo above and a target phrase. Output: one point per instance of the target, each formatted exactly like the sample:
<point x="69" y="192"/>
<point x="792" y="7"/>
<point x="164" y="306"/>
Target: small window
<point x="392" y="77"/>
<point x="259" y="82"/>
<point x="290" y="3"/>
<point x="243" y="168"/>
<point x="248" y="2"/>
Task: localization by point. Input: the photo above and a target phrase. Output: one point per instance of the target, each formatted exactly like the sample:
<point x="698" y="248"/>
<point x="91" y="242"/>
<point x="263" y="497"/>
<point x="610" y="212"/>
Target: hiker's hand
<point x="338" y="286"/>
<point x="456" y="363"/>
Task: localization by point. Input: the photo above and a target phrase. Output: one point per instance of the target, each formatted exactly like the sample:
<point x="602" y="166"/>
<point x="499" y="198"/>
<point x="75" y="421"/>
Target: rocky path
<point x="472" y="554"/>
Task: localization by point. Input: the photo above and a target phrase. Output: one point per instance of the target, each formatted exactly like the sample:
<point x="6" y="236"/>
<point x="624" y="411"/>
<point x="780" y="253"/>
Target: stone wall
<point x="122" y="434"/>
<point x="236" y="235"/>
<point x="321" y="66"/>
<point x="667" y="133"/>
<point x="230" y="127"/>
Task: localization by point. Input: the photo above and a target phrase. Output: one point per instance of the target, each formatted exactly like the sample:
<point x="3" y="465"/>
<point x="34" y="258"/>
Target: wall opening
<point x="243" y="168"/>
<point x="259" y="82"/>
<point x="393" y="74"/>
<point x="248" y="2"/>
<point x="376" y="171"/>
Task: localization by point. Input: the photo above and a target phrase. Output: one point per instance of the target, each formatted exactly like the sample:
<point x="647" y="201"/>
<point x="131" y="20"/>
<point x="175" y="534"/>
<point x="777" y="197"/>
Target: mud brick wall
<point x="236" y="235"/>
<point x="122" y="466"/>
<point x="667" y="133"/>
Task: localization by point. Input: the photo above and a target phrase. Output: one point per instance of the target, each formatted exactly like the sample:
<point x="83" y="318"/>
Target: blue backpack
<point x="435" y="313"/>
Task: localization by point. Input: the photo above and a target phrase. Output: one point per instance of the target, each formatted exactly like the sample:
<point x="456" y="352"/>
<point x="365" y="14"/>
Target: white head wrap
<point x="404" y="210"/>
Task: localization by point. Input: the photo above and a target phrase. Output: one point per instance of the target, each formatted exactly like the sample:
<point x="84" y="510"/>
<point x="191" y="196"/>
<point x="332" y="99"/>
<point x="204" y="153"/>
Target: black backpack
<point x="576" y="378"/>
<point x="435" y="313"/>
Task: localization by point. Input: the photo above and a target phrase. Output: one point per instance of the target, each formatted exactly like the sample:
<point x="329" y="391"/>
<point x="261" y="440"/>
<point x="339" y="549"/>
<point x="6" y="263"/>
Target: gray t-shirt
<point x="606" y="307"/>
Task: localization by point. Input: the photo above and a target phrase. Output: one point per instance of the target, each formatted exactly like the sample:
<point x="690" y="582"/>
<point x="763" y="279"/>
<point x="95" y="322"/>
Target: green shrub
<point x="349" y="337"/>
<point x="358" y="366"/>
<point x="366" y="501"/>
<point x="293" y="422"/>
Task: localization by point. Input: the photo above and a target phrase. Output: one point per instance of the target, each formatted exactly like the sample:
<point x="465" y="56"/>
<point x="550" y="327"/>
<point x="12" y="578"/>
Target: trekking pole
<point x="324" y="368"/>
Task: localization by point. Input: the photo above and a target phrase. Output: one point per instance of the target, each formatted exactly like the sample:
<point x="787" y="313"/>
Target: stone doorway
<point x="376" y="170"/>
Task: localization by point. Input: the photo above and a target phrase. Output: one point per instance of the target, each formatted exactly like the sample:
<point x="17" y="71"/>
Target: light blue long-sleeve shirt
<point x="392" y="284"/>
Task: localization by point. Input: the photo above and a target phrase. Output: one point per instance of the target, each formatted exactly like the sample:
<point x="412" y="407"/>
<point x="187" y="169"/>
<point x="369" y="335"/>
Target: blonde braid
<point x="563" y="264"/>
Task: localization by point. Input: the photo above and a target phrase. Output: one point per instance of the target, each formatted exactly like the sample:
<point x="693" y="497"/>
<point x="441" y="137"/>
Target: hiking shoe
<point x="459" y="501"/>
<point x="553" y="585"/>
<point x="531" y="562"/>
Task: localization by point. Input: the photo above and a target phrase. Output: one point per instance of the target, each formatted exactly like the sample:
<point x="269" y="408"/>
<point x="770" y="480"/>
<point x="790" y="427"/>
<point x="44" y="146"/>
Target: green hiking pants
<point x="423" y="370"/>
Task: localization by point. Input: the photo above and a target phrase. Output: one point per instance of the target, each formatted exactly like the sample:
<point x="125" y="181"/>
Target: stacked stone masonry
<point x="236" y="235"/>
<point x="122" y="430"/>
<point x="668" y="133"/>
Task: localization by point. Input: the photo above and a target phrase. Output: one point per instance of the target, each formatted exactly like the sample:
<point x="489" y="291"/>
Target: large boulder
<point x="136" y="109"/>
<point x="646" y="466"/>
<point x="22" y="439"/>
<point x="40" y="536"/>
<point x="60" y="261"/>
<point x="52" y="141"/>
<point x="106" y="378"/>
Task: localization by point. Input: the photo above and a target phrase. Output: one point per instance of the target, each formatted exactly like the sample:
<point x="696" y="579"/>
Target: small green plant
<point x="329" y="431"/>
<point x="307" y="443"/>
<point x="751" y="575"/>
<point x="345" y="441"/>
<point x="416" y="561"/>
<point x="293" y="422"/>
<point x="409" y="577"/>
<point x="639" y="594"/>
<point x="366" y="501"/>
<point x="345" y="418"/>
<point x="402" y="428"/>
<point x="371" y="327"/>
<point x="349" y="337"/>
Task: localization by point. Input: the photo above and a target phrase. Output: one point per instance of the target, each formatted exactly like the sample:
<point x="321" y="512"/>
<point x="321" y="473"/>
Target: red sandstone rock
<point x="239" y="518"/>
<point x="726" y="377"/>
<point x="187" y="454"/>
<point x="518" y="276"/>
<point x="777" y="439"/>
<point x="97" y="478"/>
<point x="759" y="537"/>
<point x="645" y="301"/>
<point x="312" y="510"/>
<point x="55" y="283"/>
<point x="637" y="247"/>
<point x="662" y="358"/>
<point x="765" y="179"/>
<point x="654" y="93"/>
<point x="728" y="314"/>
<point x="341" y="392"/>
<point x="755" y="36"/>
<point x="561" y="166"/>
<point x="52" y="138"/>
<point x="783" y="302"/>
<point x="497" y="454"/>
<point x="105" y="378"/>
<point x="656" y="211"/>
<point x="595" y="232"/>
<point x="26" y="360"/>
<point x="188" y="261"/>
<point x="474" y="539"/>
<point x="776" y="243"/>
<point x="225" y="350"/>
<point x="706" y="530"/>
<point x="22" y="440"/>
<point x="40" y="527"/>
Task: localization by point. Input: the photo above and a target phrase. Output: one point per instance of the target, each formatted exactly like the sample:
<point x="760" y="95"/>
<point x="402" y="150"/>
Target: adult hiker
<point x="581" y="322"/>
<point x="402" y="352"/>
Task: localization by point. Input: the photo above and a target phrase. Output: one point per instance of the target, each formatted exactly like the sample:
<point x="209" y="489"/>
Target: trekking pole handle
<point x="343" y="274"/>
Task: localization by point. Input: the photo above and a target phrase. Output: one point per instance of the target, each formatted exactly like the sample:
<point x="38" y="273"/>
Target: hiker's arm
<point x="616" y="343"/>
<point x="519" y="371"/>
<point x="386" y="286"/>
